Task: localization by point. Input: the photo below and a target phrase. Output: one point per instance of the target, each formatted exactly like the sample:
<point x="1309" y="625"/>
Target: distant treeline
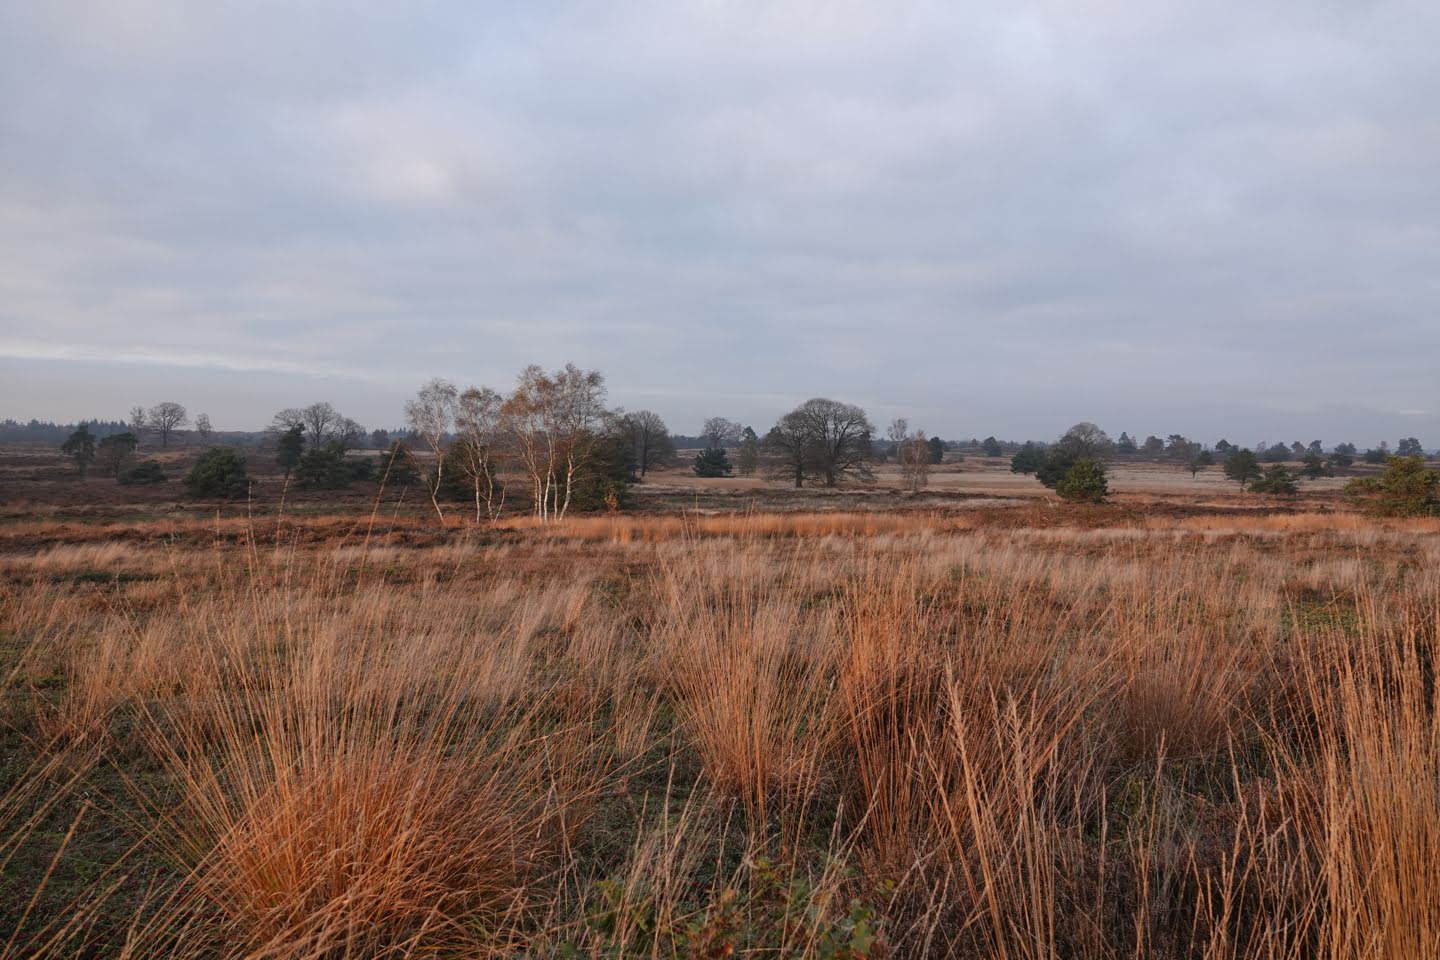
<point x="44" y="430"/>
<point x="554" y="441"/>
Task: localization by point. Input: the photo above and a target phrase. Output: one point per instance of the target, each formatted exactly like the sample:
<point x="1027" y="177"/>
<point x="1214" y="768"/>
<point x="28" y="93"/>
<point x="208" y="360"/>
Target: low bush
<point x="1084" y="482"/>
<point x="712" y="462"/>
<point x="146" y="471"/>
<point x="1407" y="488"/>
<point x="218" y="474"/>
<point x="327" y="468"/>
<point x="1276" y="480"/>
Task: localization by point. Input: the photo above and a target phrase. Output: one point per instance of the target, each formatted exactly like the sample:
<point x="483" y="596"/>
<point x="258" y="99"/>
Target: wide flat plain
<point x="737" y="719"/>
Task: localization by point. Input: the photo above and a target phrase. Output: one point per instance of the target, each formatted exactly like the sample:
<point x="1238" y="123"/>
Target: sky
<point x="990" y="218"/>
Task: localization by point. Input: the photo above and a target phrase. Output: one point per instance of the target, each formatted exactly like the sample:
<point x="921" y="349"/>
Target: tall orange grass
<point x="817" y="736"/>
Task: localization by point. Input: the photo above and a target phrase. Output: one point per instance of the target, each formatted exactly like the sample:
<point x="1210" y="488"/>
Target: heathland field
<point x="974" y="722"/>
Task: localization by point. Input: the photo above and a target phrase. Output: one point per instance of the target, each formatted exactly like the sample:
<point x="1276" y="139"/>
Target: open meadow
<point x="738" y="719"/>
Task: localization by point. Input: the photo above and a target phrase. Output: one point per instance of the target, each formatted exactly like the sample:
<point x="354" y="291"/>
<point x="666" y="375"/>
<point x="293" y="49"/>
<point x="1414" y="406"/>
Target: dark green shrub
<point x="289" y="448"/>
<point x="328" y="468"/>
<point x="713" y="462"/>
<point x="218" y="474"/>
<point x="606" y="482"/>
<point x="397" y="467"/>
<point x="456" y="479"/>
<point x="1049" y="466"/>
<point x="1028" y="459"/>
<point x="1314" y="467"/>
<point x="146" y="471"/>
<point x="1084" y="482"/>
<point x="1242" y="467"/>
<point x="362" y="469"/>
<point x="80" y="446"/>
<point x="1406" y="489"/>
<point x="1276" y="480"/>
<point x="1058" y="463"/>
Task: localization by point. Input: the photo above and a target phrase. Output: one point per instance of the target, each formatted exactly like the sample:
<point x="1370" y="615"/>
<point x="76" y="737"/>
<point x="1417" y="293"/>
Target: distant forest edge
<point x="53" y="432"/>
<point x="556" y="432"/>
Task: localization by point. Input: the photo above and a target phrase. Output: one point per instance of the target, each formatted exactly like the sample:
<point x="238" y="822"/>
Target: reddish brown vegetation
<point x="1111" y="733"/>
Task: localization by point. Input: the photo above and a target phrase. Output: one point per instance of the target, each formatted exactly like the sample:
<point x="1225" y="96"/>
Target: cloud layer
<point x="989" y="217"/>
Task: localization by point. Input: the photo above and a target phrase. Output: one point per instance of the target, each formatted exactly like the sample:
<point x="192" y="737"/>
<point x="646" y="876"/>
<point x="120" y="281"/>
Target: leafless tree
<point x="1085" y="439"/>
<point x="579" y="418"/>
<point x="322" y="422"/>
<point x="913" y="453"/>
<point x="166" y="419"/>
<point x="787" y="446"/>
<point x="477" y="420"/>
<point x="553" y="423"/>
<point x="203" y="428"/>
<point x="897" y="433"/>
<point x="349" y="433"/>
<point x="648" y="437"/>
<point x="837" y="439"/>
<point x="138" y="422"/>
<point x="286" y="420"/>
<point x="720" y="433"/>
<point x="523" y="419"/>
<point x="429" y="414"/>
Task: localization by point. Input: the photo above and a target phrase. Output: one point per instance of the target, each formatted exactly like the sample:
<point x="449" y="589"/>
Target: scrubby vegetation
<point x="813" y="735"/>
<point x="1084" y="482"/>
<point x="219" y="473"/>
<point x="1407" y="488"/>
<point x="1276" y="480"/>
<point x="146" y="471"/>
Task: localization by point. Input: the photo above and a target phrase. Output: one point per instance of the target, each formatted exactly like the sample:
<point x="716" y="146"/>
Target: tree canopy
<point x="823" y="440"/>
<point x="1243" y="467"/>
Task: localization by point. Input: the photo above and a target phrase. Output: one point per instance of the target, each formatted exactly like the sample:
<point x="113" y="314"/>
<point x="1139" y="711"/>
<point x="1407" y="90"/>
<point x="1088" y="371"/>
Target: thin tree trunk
<point x="435" y="487"/>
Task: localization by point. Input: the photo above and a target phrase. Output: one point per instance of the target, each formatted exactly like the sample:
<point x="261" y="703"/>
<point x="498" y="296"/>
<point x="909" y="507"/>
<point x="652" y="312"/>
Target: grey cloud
<point x="994" y="217"/>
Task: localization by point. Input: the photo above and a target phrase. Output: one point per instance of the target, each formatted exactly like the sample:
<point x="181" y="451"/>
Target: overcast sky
<point x="1213" y="218"/>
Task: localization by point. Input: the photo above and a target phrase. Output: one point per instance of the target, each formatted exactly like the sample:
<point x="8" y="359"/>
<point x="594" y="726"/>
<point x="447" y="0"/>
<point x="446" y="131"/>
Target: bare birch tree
<point x="522" y="420"/>
<point x="897" y="433"/>
<point x="580" y="418"/>
<point x="553" y="422"/>
<point x="429" y="414"/>
<point x="139" y="422"/>
<point x="913" y="453"/>
<point x="477" y="420"/>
